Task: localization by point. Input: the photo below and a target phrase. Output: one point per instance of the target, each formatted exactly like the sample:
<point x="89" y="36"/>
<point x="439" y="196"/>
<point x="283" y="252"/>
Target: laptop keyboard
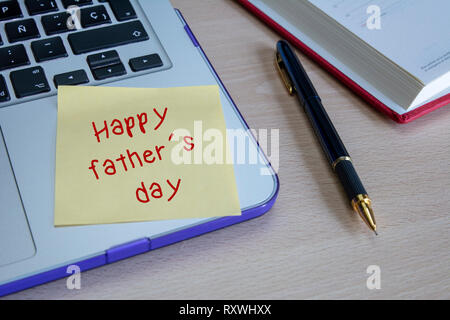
<point x="47" y="43"/>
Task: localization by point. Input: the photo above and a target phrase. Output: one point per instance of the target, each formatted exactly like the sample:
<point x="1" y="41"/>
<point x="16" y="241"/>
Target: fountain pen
<point x="298" y="83"/>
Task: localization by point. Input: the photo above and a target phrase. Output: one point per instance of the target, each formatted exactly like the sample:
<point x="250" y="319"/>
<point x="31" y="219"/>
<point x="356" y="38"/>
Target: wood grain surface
<point x="311" y="245"/>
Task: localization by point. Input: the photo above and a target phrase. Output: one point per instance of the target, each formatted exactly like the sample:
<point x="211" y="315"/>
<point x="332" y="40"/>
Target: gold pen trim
<point x="283" y="74"/>
<point x="363" y="206"/>
<point x="344" y="158"/>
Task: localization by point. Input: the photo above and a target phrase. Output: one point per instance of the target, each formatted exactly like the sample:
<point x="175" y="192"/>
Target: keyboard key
<point x="48" y="49"/>
<point x="68" y="3"/>
<point x="55" y="23"/>
<point x="103" y="59"/>
<point x="21" y="30"/>
<point x="13" y="56"/>
<point x="9" y="10"/>
<point x="123" y="10"/>
<point x="145" y="62"/>
<point x="4" y="94"/>
<point x="107" y="37"/>
<point x="40" y="6"/>
<point x="29" y="82"/>
<point x="71" y="78"/>
<point x="94" y="16"/>
<point x="108" y="72"/>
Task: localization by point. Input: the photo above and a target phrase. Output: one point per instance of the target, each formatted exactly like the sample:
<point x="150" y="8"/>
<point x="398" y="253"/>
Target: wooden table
<point x="310" y="245"/>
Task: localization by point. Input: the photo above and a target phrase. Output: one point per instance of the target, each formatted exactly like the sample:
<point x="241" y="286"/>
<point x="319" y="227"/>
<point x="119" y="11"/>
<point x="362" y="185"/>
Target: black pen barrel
<point x="333" y="147"/>
<point x="329" y="139"/>
<point x="325" y="130"/>
<point x="349" y="179"/>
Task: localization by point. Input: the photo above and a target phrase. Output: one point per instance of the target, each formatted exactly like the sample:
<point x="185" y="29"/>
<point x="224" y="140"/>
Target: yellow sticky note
<point x="132" y="154"/>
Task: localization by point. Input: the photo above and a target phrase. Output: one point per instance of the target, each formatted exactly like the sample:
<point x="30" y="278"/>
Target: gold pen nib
<point x="362" y="205"/>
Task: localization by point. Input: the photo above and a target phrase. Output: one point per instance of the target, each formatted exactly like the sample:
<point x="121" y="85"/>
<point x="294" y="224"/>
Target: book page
<point x="415" y="34"/>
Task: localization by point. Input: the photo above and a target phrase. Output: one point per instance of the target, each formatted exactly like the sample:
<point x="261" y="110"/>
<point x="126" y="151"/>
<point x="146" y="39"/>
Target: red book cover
<point x="400" y="118"/>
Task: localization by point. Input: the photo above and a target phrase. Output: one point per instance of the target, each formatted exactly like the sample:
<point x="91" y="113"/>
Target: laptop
<point x="116" y="43"/>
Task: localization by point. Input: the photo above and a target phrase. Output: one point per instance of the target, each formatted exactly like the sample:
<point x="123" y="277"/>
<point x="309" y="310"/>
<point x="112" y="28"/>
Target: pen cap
<point x="329" y="139"/>
<point x="296" y="72"/>
<point x="309" y="99"/>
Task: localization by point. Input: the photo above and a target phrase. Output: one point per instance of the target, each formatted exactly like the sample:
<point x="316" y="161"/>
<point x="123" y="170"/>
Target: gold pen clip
<point x="284" y="76"/>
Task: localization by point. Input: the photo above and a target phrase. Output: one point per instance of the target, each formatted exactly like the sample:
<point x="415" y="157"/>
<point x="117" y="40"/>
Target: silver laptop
<point x="123" y="43"/>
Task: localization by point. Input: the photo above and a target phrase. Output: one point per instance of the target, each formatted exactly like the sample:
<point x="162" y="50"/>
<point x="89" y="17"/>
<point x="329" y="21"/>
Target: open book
<point x="396" y="51"/>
